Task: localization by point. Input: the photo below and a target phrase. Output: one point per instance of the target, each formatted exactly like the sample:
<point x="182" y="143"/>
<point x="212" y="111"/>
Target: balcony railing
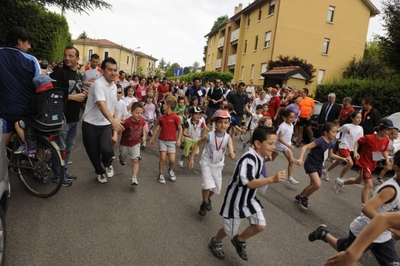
<point x="221" y="42"/>
<point x="235" y="35"/>
<point x="218" y="63"/>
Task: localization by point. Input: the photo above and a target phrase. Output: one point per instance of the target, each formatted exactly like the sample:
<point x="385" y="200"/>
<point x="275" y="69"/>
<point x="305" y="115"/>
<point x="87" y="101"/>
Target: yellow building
<point x="325" y="33"/>
<point x="128" y="60"/>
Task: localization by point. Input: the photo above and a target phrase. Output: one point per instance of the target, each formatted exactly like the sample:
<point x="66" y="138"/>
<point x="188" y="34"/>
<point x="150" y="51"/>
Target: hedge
<point x="207" y="76"/>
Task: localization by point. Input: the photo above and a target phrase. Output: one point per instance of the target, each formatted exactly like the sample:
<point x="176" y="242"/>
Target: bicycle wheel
<point x="39" y="173"/>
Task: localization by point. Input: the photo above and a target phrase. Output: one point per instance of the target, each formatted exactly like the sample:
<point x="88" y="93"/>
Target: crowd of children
<point x="182" y="122"/>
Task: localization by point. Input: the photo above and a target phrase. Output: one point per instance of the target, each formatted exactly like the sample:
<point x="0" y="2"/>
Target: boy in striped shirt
<point x="240" y="198"/>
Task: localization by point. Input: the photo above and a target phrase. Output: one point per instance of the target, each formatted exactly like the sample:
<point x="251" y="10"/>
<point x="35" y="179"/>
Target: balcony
<point x="221" y="42"/>
<point x="235" y="35"/>
<point x="218" y="63"/>
<point x="232" y="60"/>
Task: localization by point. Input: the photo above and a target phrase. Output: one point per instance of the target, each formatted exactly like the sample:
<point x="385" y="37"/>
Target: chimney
<point x="238" y="9"/>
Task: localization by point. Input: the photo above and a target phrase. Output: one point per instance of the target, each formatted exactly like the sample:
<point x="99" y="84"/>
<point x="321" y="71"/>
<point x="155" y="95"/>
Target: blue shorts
<point x="8" y="126"/>
<point x="312" y="168"/>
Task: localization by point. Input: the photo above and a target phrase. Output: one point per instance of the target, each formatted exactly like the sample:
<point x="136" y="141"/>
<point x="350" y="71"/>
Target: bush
<point x="385" y="94"/>
<point x="207" y="76"/>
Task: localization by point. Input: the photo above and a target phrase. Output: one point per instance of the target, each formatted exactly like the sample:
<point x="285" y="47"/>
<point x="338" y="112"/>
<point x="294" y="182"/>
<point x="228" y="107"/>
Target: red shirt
<point x="371" y="143"/>
<point x="163" y="89"/>
<point x="344" y="113"/>
<point x="169" y="123"/>
<point x="273" y="105"/>
<point x="266" y="114"/>
<point x="132" y="133"/>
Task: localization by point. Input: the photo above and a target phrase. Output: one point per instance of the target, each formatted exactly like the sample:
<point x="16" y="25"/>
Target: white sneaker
<point x="241" y="137"/>
<point x="110" y="171"/>
<point x="171" y="175"/>
<point x="180" y="164"/>
<point x="338" y="185"/>
<point x="102" y="178"/>
<point x="134" y="181"/>
<point x="292" y="181"/>
<point x="325" y="175"/>
<point x="161" y="179"/>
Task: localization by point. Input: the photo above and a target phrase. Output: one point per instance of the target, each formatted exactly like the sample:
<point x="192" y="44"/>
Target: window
<point x="245" y="47"/>
<point x="271" y="7"/>
<point x="325" y="46"/>
<point x="321" y="74"/>
<point x="259" y="14"/>
<point x="105" y="54"/>
<point x="255" y="45"/>
<point x="248" y="20"/>
<point x="242" y="73"/>
<point x="127" y="59"/>
<point x="252" y="72"/>
<point x="267" y="39"/>
<point x="90" y="53"/>
<point x="331" y="10"/>
<point x="263" y="69"/>
<point x="208" y="61"/>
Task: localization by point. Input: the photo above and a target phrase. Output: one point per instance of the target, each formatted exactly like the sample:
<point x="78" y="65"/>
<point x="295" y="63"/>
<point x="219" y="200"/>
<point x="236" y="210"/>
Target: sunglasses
<point x="119" y="92"/>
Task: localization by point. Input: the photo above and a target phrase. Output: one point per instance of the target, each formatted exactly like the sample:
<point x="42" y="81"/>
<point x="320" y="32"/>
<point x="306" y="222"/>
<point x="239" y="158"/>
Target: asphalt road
<point x="158" y="224"/>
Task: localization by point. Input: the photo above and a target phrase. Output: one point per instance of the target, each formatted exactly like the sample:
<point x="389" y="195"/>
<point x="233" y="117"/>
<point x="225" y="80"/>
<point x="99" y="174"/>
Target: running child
<point x="374" y="148"/>
<point x="121" y="112"/>
<point x="314" y="160"/>
<point x="212" y="160"/>
<point x="192" y="133"/>
<point x="351" y="132"/>
<point x="135" y="130"/>
<point x="167" y="124"/>
<point x="394" y="133"/>
<point x="284" y="143"/>
<point x="240" y="197"/>
<point x="386" y="198"/>
<point x="150" y="113"/>
<point x="180" y="110"/>
<point x="129" y="99"/>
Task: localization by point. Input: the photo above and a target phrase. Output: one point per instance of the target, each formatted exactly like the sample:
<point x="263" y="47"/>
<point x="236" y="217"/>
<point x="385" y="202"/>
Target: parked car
<point x="4" y="197"/>
<point x="315" y="117"/>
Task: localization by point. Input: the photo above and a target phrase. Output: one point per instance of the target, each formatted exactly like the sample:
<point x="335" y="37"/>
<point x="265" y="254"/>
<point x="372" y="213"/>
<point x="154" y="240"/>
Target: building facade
<point x="326" y="33"/>
<point x="128" y="60"/>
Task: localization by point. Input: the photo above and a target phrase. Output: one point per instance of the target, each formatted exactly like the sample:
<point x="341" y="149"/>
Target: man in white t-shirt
<point x="92" y="71"/>
<point x="100" y="119"/>
<point x="250" y="90"/>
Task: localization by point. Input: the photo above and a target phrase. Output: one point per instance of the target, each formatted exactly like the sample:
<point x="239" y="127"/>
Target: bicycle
<point x="40" y="173"/>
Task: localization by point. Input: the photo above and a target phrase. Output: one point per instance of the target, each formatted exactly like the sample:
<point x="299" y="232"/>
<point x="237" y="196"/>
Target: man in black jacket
<point x="330" y="110"/>
<point x="370" y="116"/>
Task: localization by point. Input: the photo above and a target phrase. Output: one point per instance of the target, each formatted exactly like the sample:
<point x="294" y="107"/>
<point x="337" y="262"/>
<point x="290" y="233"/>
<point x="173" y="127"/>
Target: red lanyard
<point x="216" y="143"/>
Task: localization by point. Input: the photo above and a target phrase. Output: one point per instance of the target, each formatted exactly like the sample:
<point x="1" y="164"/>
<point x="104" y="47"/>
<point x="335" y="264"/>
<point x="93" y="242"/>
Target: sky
<point x="173" y="30"/>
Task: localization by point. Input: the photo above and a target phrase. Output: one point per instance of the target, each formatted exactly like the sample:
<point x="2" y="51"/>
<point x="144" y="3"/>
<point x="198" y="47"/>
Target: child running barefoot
<point x="350" y="134"/>
<point x="240" y="198"/>
<point x="192" y="133"/>
<point x="386" y="198"/>
<point x="394" y="133"/>
<point x="314" y="160"/>
<point x="374" y="148"/>
<point x="135" y="130"/>
<point x="212" y="159"/>
<point x="284" y="143"/>
<point x="167" y="124"/>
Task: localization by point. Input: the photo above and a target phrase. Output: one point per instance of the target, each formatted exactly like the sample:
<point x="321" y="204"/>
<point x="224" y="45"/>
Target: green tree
<point x="390" y="43"/>
<point x="50" y="30"/>
<point x="76" y="6"/>
<point x="187" y="70"/>
<point x="162" y="63"/>
<point x="195" y="65"/>
<point x="205" y="54"/>
<point x="284" y="61"/>
<point x="169" y="72"/>
<point x="219" y="21"/>
<point x="83" y="35"/>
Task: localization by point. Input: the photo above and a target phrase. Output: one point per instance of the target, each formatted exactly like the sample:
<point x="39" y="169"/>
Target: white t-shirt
<point x="250" y="90"/>
<point x="128" y="101"/>
<point x="90" y="75"/>
<point x="121" y="109"/>
<point x="287" y="132"/>
<point x="254" y="120"/>
<point x="100" y="90"/>
<point x="256" y="102"/>
<point x="350" y="134"/>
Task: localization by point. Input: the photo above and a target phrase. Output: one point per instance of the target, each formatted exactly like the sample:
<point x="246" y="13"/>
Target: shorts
<point x="304" y="122"/>
<point x="312" y="168"/>
<point x="385" y="253"/>
<point x="188" y="146"/>
<point x="281" y="149"/>
<point x="239" y="120"/>
<point x="365" y="173"/>
<point x="211" y="177"/>
<point x="344" y="152"/>
<point x="231" y="225"/>
<point x="168" y="146"/>
<point x="132" y="151"/>
<point x="7" y="126"/>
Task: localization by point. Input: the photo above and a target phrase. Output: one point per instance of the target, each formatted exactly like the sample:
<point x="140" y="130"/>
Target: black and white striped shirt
<point x="239" y="200"/>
